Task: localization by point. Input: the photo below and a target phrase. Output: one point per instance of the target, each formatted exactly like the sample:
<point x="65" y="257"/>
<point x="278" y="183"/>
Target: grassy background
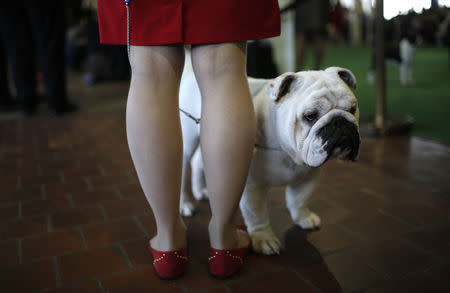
<point x="427" y="100"/>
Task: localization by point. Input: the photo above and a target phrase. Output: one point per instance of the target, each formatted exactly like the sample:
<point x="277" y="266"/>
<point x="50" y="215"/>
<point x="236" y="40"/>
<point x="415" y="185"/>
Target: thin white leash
<point x="127" y="4"/>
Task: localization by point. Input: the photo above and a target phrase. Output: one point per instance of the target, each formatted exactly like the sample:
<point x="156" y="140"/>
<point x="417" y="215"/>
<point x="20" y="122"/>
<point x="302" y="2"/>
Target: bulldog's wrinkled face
<point x="317" y="116"/>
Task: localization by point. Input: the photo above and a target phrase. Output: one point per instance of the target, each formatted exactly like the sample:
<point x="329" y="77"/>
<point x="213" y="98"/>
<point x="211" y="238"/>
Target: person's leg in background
<point x="228" y="130"/>
<point x="17" y="39"/>
<point x="7" y="103"/>
<point x="319" y="49"/>
<point x="155" y="139"/>
<point x="5" y="94"/>
<point x="118" y="56"/>
<point x="302" y="15"/>
<point x="48" y="21"/>
<point x="301" y="44"/>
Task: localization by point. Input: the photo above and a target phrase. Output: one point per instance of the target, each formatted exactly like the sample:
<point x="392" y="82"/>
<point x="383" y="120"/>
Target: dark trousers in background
<point x="5" y="95"/>
<point x="33" y="29"/>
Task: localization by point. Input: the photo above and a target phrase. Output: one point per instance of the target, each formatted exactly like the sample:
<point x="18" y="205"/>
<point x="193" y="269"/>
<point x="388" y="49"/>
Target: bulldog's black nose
<point x="341" y="133"/>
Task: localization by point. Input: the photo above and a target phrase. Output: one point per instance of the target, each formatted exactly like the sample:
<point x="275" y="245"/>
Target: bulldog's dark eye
<point x="353" y="110"/>
<point x="310" y="117"/>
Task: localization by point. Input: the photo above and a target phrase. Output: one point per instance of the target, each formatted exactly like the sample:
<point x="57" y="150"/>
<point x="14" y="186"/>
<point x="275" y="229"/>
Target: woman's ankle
<point x="169" y="238"/>
<point x="222" y="236"/>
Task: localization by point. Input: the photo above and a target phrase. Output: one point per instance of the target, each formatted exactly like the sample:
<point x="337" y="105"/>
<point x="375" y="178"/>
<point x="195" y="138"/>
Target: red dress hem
<point x="187" y="22"/>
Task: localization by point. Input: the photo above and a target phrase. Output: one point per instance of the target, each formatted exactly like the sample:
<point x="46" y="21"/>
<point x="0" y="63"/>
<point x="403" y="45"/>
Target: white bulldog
<point x="303" y="119"/>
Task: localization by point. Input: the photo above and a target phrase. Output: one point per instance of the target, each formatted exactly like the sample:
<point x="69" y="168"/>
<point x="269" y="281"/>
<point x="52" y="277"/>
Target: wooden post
<point x="380" y="111"/>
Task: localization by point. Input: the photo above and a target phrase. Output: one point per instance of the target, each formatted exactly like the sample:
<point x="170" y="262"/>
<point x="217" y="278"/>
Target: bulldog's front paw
<point x="187" y="209"/>
<point x="307" y="219"/>
<point x="265" y="242"/>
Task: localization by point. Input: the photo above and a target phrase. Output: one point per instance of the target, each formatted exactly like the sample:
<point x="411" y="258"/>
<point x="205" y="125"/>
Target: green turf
<point x="427" y="100"/>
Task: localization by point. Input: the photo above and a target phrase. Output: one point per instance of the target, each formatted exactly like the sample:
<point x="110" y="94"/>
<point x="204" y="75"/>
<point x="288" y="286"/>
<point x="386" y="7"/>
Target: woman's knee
<point x="157" y="62"/>
<point x="214" y="61"/>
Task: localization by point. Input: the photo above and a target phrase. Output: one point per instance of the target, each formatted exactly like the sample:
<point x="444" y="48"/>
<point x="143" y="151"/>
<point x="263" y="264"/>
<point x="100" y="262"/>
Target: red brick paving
<point x="350" y="273"/>
<point x="393" y="257"/>
<point x="73" y="217"/>
<point x="70" y="218"/>
<point x="23" y="227"/>
<point x="9" y="212"/>
<point x="271" y="283"/>
<point x="114" y="231"/>
<point x="85" y="287"/>
<point x="44" y="206"/>
<point x="50" y="244"/>
<point x="90" y="198"/>
<point x="30" y="277"/>
<point x="419" y="283"/>
<point x="141" y="280"/>
<point x="91" y="263"/>
<point x="9" y="252"/>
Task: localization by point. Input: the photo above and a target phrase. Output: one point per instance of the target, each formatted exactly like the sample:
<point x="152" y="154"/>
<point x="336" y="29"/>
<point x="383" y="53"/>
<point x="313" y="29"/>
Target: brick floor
<point x="73" y="217"/>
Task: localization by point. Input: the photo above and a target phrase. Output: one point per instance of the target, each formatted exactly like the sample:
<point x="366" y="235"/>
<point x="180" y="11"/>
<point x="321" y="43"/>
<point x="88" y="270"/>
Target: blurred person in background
<point x="337" y="23"/>
<point x="36" y="28"/>
<point x="84" y="51"/>
<point x="76" y="35"/>
<point x="311" y="21"/>
<point x="443" y="34"/>
<point x="7" y="103"/>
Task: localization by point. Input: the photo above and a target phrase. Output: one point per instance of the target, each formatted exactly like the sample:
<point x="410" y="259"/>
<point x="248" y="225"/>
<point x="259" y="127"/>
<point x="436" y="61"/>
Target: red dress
<point x="162" y="22"/>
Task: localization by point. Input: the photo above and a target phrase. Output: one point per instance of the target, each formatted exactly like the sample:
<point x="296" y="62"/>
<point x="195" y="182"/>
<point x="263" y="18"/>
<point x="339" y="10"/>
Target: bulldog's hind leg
<point x="187" y="204"/>
<point x="198" y="181"/>
<point x="254" y="209"/>
<point x="297" y="196"/>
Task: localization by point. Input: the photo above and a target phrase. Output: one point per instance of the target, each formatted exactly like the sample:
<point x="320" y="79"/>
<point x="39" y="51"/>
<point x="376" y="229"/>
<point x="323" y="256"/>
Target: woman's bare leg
<point x="154" y="136"/>
<point x="227" y="134"/>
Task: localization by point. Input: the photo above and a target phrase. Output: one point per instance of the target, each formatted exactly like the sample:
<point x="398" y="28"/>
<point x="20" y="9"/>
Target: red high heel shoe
<point x="224" y="263"/>
<point x="169" y="264"/>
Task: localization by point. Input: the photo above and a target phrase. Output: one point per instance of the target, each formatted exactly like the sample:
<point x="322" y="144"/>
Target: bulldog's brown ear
<point x="348" y="78"/>
<point x="281" y="86"/>
<point x="345" y="74"/>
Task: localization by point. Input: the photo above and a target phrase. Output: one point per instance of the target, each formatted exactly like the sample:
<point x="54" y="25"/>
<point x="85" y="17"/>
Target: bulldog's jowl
<point x="342" y="134"/>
